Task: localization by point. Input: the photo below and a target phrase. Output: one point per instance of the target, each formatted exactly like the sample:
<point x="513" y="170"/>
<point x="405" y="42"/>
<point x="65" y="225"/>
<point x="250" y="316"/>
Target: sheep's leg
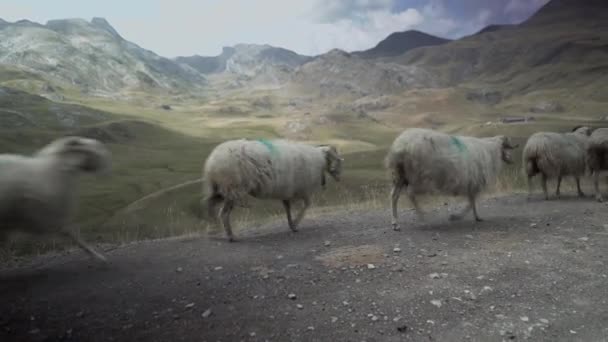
<point x="559" y="183"/>
<point x="70" y="233"/>
<point x="543" y="182"/>
<point x="395" y="193"/>
<point x="287" y="206"/>
<point x="530" y="185"/>
<point x="459" y="216"/>
<point x="301" y="213"/>
<point x="578" y="187"/>
<point x="473" y="204"/>
<point x="225" y="217"/>
<point x="211" y="202"/>
<point x="596" y="185"/>
<point x="412" y="197"/>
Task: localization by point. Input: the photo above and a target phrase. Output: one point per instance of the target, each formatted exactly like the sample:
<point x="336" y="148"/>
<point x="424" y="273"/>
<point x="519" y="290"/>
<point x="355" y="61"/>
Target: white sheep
<point x="553" y="154"/>
<point x="38" y="193"/>
<point x="425" y="161"/>
<point x="597" y="157"/>
<point x="266" y="169"/>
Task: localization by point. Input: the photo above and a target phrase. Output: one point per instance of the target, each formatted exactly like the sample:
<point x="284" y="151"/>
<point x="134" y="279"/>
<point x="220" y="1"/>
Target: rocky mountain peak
<point x="103" y="24"/>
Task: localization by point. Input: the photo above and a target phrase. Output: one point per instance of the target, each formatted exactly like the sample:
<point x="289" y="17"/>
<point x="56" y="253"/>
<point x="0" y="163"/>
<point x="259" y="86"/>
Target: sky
<point x="187" y="27"/>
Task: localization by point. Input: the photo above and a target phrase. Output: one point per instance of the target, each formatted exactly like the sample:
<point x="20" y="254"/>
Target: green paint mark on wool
<point x="459" y="144"/>
<point x="269" y="145"/>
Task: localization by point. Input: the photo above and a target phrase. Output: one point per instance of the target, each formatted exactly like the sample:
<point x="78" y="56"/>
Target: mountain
<point x="563" y="45"/>
<point x="398" y="43"/>
<point x="246" y="59"/>
<point x="90" y="56"/>
<point x="340" y="73"/>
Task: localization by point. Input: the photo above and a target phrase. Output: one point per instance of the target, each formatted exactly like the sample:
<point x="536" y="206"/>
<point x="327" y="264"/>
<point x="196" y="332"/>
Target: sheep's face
<point x="333" y="161"/>
<point x="506" y="147"/>
<point x="78" y="153"/>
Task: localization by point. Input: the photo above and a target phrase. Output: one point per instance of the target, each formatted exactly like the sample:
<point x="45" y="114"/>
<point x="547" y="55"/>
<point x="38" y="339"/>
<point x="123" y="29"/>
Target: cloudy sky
<point x="186" y="27"/>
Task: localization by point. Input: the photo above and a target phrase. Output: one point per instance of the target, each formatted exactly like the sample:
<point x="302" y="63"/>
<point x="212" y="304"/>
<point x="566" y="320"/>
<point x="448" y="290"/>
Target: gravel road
<point x="533" y="270"/>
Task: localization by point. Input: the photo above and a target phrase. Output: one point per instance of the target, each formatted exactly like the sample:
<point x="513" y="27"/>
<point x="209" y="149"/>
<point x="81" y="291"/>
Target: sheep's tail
<point x="531" y="166"/>
<point x="392" y="160"/>
<point x="538" y="157"/>
<point x="595" y="159"/>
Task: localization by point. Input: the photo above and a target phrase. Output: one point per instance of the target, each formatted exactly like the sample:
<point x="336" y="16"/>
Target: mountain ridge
<point x="91" y="56"/>
<point x="398" y="43"/>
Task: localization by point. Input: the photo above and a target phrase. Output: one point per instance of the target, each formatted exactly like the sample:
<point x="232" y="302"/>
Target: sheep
<point x="597" y="157"/>
<point x="426" y="161"/>
<point x="38" y="192"/>
<point x="556" y="155"/>
<point x="266" y="169"/>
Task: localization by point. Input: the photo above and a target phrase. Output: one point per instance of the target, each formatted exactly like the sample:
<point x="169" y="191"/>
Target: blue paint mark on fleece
<point x="459" y="144"/>
<point x="269" y="145"/>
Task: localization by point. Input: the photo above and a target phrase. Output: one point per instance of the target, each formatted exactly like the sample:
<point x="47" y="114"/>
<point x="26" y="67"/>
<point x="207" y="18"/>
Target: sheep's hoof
<point x="396" y="227"/>
<point x="599" y="199"/>
<point x="231" y="239"/>
<point x="294" y="230"/>
<point x="477" y="219"/>
<point x="581" y="194"/>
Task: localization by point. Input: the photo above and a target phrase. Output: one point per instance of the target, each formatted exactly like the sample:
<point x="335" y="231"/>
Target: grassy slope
<point x="171" y="147"/>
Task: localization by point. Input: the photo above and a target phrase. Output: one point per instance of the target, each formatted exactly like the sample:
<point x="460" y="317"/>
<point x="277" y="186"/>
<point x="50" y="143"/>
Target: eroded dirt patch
<point x="352" y="256"/>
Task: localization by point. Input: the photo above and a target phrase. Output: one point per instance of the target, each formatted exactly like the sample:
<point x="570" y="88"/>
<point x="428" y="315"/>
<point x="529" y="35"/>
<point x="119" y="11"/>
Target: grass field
<point x="155" y="149"/>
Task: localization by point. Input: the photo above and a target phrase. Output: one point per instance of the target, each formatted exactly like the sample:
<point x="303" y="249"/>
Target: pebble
<point x="524" y="318"/>
<point x="179" y="270"/>
<point x="533" y="225"/>
<point x="189" y="306"/>
<point x="434" y="276"/>
<point x="310" y="328"/>
<point x="544" y="321"/>
<point x="572" y="332"/>
<point x="397" y="319"/>
<point x="371" y="266"/>
<point x="334" y="319"/>
<point x="206" y="314"/>
<point x="252" y="334"/>
<point x="292" y="296"/>
<point x="300" y="306"/>
<point x="396" y="250"/>
<point x="584" y="238"/>
<point x="374" y="318"/>
<point x="436" y="302"/>
<point x="218" y="268"/>
<point x="327" y="243"/>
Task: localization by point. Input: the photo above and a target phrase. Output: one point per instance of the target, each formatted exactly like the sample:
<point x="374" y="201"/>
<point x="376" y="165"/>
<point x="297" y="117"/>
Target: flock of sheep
<point x="38" y="193"/>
